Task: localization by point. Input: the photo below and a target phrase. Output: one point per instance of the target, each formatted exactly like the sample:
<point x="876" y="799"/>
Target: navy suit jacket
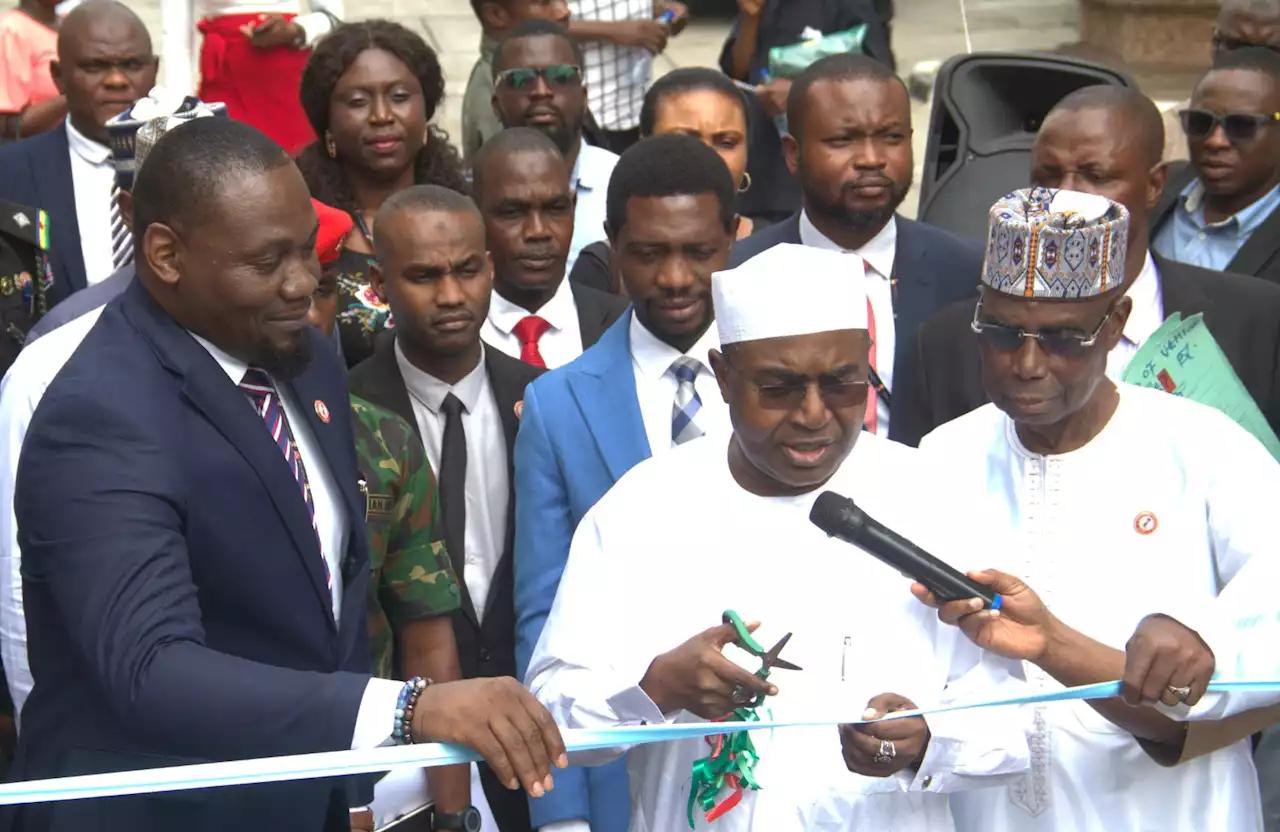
<point x="580" y="431"/>
<point x="933" y="267"/>
<point x="174" y="587"/>
<point x="37" y="172"/>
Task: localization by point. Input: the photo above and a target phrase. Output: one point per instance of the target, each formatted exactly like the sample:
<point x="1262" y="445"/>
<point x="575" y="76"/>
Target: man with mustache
<point x="850" y="147"/>
<point x="645" y="389"/>
<point x="521" y="183"/>
<point x="539" y="83"/>
<point x="462" y="396"/>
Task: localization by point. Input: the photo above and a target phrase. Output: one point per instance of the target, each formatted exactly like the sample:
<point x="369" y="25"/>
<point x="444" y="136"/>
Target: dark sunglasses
<point x="837" y="393"/>
<point x="1007" y="338"/>
<point x="1238" y="127"/>
<point x="1222" y="43"/>
<point x="524" y="78"/>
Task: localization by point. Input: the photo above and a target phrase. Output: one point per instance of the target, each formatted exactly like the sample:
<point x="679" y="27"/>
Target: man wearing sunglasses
<point x="1112" y="501"/>
<point x="1106" y="140"/>
<point x="722" y="522"/>
<point x="539" y="83"/>
<point x="1220" y="213"/>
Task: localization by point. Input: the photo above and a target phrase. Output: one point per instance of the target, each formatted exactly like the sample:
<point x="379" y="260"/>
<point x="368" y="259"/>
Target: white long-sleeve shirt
<point x="675" y="543"/>
<point x="179" y="18"/>
<point x="1156" y="514"/>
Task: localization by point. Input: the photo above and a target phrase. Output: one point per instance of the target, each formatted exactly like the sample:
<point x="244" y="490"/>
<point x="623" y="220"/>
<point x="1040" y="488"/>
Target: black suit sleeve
<point x="108" y="564"/>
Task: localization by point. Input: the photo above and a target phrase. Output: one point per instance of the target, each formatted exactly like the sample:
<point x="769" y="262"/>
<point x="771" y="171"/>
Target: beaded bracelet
<point x="402" y="733"/>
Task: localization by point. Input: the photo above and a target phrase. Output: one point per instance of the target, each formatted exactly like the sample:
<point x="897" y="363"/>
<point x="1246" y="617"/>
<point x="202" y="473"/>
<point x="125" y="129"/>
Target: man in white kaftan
<point x="687" y="535"/>
<point x="1111" y="501"/>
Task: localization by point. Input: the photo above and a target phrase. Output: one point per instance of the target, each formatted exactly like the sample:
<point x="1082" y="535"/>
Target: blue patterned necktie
<point x="687" y="402"/>
<point x="261" y="392"/>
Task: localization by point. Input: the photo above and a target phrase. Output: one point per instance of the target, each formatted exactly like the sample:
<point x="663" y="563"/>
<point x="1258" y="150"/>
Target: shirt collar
<point x="559" y="311"/>
<point x="878" y="252"/>
<point x="431" y="391"/>
<point x="232" y="366"/>
<point x="1245" y="221"/>
<point x="1147" y="315"/>
<point x="89" y="150"/>
<point x="654" y="356"/>
<point x="593" y="167"/>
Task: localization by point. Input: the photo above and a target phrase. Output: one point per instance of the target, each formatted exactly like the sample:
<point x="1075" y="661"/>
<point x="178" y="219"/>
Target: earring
<point x="330" y="147"/>
<point x="745" y="185"/>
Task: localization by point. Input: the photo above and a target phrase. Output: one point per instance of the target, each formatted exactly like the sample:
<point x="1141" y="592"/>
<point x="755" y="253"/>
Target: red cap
<point x="335" y="225"/>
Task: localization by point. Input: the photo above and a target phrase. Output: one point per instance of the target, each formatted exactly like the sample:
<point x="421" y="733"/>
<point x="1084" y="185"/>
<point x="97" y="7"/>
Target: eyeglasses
<point x="1007" y="338"/>
<point x="1238" y="127"/>
<point x="557" y="75"/>
<point x="1223" y="43"/>
<point x="789" y="393"/>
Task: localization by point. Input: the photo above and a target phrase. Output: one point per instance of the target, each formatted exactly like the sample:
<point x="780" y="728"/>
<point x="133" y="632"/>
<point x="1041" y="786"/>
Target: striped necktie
<point x="121" y="239"/>
<point x="261" y="392"/>
<point x="687" y="402"/>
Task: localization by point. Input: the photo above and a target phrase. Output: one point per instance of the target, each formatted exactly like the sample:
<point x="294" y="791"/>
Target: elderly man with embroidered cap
<point x="1114" y="502"/>
<point x="725" y="525"/>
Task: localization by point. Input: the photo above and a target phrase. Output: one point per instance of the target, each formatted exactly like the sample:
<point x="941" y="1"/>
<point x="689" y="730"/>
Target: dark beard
<point x="563" y="135"/>
<point x="857" y="220"/>
<point x="286" y="362"/>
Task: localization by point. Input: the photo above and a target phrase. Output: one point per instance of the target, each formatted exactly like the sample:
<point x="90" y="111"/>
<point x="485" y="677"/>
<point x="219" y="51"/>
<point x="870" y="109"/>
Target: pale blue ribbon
<point x="343" y="763"/>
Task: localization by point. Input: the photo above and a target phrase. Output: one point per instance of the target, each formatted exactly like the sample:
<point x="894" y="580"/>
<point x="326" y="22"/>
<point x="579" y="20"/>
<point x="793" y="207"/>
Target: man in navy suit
<point x="105" y="63"/>
<point x="643" y="389"/>
<point x="850" y="147"/>
<point x="196" y="591"/>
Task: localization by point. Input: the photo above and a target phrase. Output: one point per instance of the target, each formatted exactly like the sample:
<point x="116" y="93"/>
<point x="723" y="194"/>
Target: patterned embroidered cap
<point x="1046" y="243"/>
<point x="133" y="133"/>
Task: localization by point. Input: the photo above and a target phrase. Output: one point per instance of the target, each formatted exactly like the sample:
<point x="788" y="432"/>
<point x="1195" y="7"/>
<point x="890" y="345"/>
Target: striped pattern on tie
<point x="121" y="239"/>
<point x="261" y="392"/>
<point x="687" y="402"/>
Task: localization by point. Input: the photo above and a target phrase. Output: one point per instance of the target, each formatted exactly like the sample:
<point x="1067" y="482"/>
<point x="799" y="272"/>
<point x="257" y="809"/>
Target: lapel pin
<point x="519" y="409"/>
<point x="1145" y="523"/>
<point x="322" y="410"/>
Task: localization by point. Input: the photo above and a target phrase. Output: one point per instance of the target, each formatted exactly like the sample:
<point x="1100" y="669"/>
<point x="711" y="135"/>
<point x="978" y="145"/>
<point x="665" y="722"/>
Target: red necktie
<point x="528" y="331"/>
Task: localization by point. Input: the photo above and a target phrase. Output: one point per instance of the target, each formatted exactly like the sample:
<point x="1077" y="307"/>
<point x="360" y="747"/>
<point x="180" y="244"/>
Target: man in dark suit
<point x="522" y="187"/>
<point x="197" y="590"/>
<point x="850" y="147"/>
<point x="1222" y="211"/>
<point x="105" y="63"/>
<point x="1108" y="141"/>
<point x="464" y="398"/>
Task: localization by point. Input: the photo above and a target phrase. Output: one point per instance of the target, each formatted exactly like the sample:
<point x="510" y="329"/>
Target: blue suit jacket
<point x="174" y="587"/>
<point x="37" y="172"/>
<point x="580" y="431"/>
<point x="934" y="268"/>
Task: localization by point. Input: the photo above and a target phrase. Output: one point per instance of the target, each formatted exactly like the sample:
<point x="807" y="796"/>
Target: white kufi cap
<point x="790" y="290"/>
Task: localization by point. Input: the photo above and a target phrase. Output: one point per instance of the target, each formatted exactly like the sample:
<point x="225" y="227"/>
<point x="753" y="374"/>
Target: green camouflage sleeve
<point x="416" y="579"/>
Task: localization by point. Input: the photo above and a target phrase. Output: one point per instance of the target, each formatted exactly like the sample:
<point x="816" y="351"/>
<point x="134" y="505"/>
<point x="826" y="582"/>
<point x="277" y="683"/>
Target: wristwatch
<point x="468" y="820"/>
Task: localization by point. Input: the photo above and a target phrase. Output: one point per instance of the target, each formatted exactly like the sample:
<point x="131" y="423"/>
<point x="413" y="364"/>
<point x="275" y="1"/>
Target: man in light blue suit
<point x="644" y="388"/>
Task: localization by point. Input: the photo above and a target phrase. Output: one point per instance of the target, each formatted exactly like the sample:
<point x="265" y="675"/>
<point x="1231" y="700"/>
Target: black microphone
<point x="839" y="517"/>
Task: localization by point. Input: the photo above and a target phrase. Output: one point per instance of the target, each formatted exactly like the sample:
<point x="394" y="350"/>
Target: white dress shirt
<point x="590" y="180"/>
<point x="656" y="385"/>
<point x="857" y="632"/>
<point x="878" y="254"/>
<point x="486" y="485"/>
<point x="20" y="392"/>
<point x="1156" y="514"/>
<point x="179" y="19"/>
<point x="559" y="345"/>
<point x="1147" y="316"/>
<point x="93" y="180"/>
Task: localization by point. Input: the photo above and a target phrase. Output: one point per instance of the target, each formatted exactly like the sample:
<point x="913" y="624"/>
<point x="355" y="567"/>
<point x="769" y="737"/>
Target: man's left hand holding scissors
<point x="696" y="676"/>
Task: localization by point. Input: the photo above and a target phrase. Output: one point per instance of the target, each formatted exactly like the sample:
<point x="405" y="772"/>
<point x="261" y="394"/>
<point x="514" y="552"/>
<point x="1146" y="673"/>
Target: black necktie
<point x="453" y="481"/>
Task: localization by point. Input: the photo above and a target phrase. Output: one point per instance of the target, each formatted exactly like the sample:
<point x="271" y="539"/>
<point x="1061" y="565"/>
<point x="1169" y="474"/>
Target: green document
<point x="790" y="61"/>
<point x="1183" y="358"/>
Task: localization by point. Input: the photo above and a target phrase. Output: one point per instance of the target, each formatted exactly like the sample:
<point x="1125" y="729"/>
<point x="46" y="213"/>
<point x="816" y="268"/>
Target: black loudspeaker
<point x="987" y="108"/>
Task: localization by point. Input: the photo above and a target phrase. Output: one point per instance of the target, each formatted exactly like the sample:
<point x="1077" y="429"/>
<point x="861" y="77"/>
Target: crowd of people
<point x="320" y="431"/>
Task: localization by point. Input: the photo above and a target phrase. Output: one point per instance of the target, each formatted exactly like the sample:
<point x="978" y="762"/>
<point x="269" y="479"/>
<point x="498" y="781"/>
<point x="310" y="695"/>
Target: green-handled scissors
<point x="769" y="659"/>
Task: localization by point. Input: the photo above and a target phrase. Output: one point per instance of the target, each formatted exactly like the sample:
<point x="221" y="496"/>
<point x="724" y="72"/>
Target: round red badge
<point x="1145" y="523"/>
<point x="519" y="408"/>
<point x="322" y="410"/>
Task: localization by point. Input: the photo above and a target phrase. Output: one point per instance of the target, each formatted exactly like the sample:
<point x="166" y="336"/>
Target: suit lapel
<point x="606" y="394"/>
<point x="58" y="199"/>
<point x="1259" y="249"/>
<point x="378" y="380"/>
